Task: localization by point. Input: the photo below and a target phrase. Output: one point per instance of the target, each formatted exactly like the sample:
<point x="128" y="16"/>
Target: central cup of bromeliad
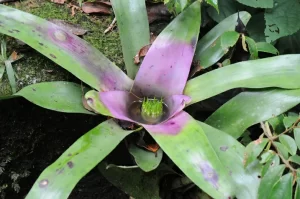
<point x="149" y="110"/>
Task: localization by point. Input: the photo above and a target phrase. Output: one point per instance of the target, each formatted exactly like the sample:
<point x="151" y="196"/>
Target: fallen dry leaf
<point x="96" y="7"/>
<point x="142" y="52"/>
<point x="58" y="1"/>
<point x="70" y="27"/>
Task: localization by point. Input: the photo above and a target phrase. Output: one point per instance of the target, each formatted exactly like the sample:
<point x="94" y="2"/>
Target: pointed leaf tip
<point x="166" y="66"/>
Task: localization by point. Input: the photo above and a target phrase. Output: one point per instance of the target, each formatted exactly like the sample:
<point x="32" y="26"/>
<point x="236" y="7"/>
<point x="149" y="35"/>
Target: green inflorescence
<point x="152" y="107"/>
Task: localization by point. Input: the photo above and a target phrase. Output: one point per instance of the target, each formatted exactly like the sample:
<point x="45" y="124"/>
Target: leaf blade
<point x="64" y="48"/>
<point x="230" y="117"/>
<point x="134" y="30"/>
<point x="58" y="180"/>
<point x="58" y="96"/>
<point x="259" y="73"/>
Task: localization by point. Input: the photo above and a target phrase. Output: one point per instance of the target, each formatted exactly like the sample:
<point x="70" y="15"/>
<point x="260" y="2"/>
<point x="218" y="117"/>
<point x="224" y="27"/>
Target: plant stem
<point x="268" y="133"/>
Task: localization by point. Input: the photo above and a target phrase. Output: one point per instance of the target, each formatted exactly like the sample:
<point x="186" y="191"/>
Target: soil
<point x="32" y="138"/>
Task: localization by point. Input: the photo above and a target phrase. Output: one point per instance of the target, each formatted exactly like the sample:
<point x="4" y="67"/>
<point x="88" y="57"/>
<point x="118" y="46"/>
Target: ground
<point x="32" y="137"/>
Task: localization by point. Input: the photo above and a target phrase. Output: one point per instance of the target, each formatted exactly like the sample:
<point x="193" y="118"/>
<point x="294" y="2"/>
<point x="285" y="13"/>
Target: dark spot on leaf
<point x="70" y="154"/>
<point x="15" y="30"/>
<point x="223" y="148"/>
<point x="59" y="171"/>
<point x="53" y="56"/>
<point x="259" y="176"/>
<point x="33" y="89"/>
<point x="41" y="44"/>
<point x="43" y="183"/>
<point x="70" y="164"/>
<point x="33" y="30"/>
<point x="10" y="31"/>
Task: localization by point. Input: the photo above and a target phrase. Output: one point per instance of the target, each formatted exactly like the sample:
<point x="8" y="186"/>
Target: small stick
<point x="111" y="26"/>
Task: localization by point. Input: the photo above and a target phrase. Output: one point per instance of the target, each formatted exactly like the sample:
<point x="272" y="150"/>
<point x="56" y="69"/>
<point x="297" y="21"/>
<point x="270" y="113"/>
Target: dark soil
<point x="31" y="138"/>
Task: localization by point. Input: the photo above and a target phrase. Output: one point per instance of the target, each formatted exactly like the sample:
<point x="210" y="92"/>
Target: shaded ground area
<point x="32" y="138"/>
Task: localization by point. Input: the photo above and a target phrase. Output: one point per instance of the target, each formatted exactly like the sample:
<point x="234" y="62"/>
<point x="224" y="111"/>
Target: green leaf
<point x="229" y="150"/>
<point x="227" y="24"/>
<point x="289" y="44"/>
<point x="252" y="48"/>
<point x="65" y="49"/>
<point x="268" y="181"/>
<point x="267" y="156"/>
<point x="256" y="106"/>
<point x="282" y="149"/>
<point x="274" y="161"/>
<point x="267" y="48"/>
<point x="283" y="188"/>
<point x="289" y="143"/>
<point x="218" y="49"/>
<point x="206" y="155"/>
<point x="290" y="119"/>
<point x="282" y="20"/>
<point x="258" y="3"/>
<point x="2" y="69"/>
<point x="11" y="76"/>
<point x="146" y="160"/>
<point x="253" y="150"/>
<point x="134" y="31"/>
<point x="259" y="73"/>
<point x="277" y="123"/>
<point x="226" y="8"/>
<point x="297" y="191"/>
<point x="297" y="136"/>
<point x="295" y="159"/>
<point x="58" y="96"/>
<point x="135" y="182"/>
<point x="213" y="3"/>
<point x="256" y="26"/>
<point x="58" y="180"/>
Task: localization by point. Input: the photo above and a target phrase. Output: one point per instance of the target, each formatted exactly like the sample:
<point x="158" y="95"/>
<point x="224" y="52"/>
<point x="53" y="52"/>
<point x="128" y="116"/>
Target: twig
<point x="268" y="133"/>
<point x="111" y="26"/>
<point x="288" y="129"/>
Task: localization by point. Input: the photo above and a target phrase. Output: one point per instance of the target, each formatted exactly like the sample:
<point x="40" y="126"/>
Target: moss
<point x="34" y="68"/>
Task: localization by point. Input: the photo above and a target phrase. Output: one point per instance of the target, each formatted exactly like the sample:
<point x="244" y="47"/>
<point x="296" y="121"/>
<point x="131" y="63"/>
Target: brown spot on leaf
<point x="70" y="164"/>
<point x="53" y="56"/>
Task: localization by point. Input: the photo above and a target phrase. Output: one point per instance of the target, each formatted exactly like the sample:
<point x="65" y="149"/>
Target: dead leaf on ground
<point x="143" y="51"/>
<point x="96" y="8"/>
<point x="70" y="27"/>
<point x="58" y="1"/>
<point x="158" y="12"/>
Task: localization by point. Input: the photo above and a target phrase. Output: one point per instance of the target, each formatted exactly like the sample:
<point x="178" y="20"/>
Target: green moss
<point x="34" y="68"/>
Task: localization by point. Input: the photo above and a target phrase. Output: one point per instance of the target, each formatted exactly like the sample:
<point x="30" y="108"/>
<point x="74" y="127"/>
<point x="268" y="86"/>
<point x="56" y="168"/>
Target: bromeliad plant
<point x="155" y="100"/>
